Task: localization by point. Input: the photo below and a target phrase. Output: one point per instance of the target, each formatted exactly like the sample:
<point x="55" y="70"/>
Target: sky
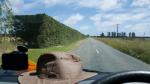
<point x="92" y="16"/>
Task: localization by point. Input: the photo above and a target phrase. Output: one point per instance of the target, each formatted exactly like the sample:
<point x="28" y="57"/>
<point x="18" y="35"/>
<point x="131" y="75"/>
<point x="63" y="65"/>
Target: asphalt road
<point x="98" y="56"/>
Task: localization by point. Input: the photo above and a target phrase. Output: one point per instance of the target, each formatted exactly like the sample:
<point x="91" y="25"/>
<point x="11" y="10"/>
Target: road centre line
<point x="97" y="51"/>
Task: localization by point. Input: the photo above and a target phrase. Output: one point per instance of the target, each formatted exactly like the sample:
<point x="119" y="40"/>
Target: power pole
<point x="117" y="29"/>
<point x="144" y="34"/>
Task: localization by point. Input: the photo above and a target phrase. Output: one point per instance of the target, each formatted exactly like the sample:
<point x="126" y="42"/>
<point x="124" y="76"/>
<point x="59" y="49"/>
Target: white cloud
<point x="141" y="3"/>
<point x="104" y="5"/>
<point x="139" y="28"/>
<point x="32" y="5"/>
<point x="83" y="28"/>
<point x="74" y="19"/>
<point x="48" y="3"/>
<point x="17" y="5"/>
<point x="97" y="4"/>
<point x="109" y="4"/>
<point x="89" y="3"/>
<point x="118" y="18"/>
<point x="106" y="22"/>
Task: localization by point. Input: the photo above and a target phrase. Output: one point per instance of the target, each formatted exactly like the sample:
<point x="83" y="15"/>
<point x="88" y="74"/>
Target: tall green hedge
<point x="42" y="30"/>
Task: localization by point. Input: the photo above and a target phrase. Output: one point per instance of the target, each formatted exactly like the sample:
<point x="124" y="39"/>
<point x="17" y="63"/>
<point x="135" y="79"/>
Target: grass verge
<point x="35" y="53"/>
<point x="137" y="48"/>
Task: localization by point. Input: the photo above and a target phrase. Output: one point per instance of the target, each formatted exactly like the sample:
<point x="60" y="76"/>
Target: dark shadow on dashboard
<point x="9" y="76"/>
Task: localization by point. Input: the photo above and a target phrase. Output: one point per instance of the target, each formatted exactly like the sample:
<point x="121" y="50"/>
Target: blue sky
<point x="92" y="16"/>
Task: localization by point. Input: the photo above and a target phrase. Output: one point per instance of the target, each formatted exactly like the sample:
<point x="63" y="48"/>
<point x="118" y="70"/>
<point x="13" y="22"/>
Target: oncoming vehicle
<point x="75" y="42"/>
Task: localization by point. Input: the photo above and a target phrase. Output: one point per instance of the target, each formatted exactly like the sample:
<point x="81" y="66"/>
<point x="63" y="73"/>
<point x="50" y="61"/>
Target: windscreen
<point x="107" y="35"/>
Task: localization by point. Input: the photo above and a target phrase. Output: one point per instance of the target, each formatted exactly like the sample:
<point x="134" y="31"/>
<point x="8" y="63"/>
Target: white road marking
<point x="97" y="51"/>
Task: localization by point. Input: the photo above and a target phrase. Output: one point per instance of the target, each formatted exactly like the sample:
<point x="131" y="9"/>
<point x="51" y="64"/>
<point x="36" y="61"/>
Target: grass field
<point x="137" y="48"/>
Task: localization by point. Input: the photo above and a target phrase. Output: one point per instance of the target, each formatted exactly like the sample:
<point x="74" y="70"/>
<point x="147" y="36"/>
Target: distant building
<point x="132" y="34"/>
<point x="108" y="34"/>
<point x="102" y="34"/>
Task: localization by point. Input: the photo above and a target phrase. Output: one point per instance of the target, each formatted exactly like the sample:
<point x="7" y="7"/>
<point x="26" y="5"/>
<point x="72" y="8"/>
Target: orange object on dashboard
<point x="31" y="65"/>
